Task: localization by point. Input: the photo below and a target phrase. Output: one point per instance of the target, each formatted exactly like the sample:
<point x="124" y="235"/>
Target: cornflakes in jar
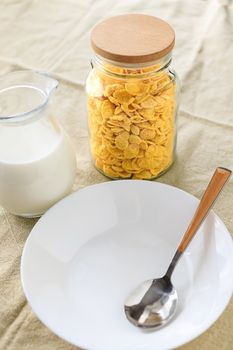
<point x="132" y="97"/>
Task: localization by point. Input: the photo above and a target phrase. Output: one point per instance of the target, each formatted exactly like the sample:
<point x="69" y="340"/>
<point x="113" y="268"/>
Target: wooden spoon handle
<point x="215" y="186"/>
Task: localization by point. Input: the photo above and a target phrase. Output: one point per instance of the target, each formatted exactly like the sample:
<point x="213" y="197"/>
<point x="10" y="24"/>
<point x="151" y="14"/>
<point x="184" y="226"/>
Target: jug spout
<point x="50" y="84"/>
<point x="24" y="94"/>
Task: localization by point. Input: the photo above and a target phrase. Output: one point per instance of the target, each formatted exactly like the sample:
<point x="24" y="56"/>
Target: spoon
<point x="153" y="303"/>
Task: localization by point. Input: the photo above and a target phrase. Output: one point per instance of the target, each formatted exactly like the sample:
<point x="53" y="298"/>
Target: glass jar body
<point x="131" y="116"/>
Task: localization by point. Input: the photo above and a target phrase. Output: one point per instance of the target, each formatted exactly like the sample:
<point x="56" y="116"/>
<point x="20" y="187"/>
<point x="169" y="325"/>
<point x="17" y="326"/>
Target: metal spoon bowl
<point x="154" y="302"/>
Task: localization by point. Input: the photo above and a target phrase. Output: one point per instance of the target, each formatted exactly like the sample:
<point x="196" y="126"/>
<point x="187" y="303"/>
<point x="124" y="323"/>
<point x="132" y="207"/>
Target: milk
<point x="37" y="166"/>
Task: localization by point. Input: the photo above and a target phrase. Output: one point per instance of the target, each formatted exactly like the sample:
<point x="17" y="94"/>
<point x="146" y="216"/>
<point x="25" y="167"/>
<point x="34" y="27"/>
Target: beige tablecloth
<point x="53" y="36"/>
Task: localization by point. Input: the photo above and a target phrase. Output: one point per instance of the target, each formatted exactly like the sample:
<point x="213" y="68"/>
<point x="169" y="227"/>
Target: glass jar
<point x="132" y="99"/>
<point x="37" y="160"/>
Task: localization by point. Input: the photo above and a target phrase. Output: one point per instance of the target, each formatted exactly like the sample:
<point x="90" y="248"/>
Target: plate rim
<point x="187" y="337"/>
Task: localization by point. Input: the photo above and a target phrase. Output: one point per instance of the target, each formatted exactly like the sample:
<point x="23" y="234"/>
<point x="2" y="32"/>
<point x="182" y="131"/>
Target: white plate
<point x="91" y="249"/>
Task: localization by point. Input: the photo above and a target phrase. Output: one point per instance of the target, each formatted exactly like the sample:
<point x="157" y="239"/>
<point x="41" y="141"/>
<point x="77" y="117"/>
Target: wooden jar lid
<point x="132" y="38"/>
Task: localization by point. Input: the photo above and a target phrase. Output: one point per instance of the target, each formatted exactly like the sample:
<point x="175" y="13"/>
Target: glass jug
<point x="37" y="160"/>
